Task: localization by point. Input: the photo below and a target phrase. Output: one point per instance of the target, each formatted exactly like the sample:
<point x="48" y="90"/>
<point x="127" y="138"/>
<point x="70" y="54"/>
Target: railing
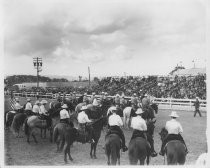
<point x="162" y="101"/>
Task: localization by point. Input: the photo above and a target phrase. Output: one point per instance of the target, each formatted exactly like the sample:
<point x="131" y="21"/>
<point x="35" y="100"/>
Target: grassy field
<point x="18" y="152"/>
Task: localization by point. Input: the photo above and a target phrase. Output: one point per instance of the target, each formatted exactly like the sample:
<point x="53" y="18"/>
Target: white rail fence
<point x="169" y="102"/>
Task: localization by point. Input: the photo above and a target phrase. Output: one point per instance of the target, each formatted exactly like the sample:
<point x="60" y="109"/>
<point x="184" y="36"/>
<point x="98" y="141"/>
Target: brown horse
<point x="59" y="135"/>
<point x="139" y="149"/>
<point x="112" y="149"/>
<point x="174" y="150"/>
<point x="71" y="136"/>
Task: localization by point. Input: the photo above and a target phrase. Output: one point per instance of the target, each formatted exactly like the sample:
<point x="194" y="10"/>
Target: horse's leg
<point x="148" y="156"/>
<point x="65" y="152"/>
<point x="91" y="150"/>
<point x="45" y="130"/>
<point x="70" y="158"/>
<point x="34" y="137"/>
<point x="62" y="143"/>
<point x="41" y="132"/>
<point x="118" y="157"/>
<point x="95" y="145"/>
<point x="141" y="161"/>
<point x="51" y="134"/>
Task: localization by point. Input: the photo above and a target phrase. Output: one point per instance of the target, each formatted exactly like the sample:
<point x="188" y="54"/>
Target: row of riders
<point x="88" y="111"/>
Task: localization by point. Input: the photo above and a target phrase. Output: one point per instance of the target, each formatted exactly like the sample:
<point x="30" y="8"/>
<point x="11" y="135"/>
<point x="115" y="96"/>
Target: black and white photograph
<point x="104" y="82"/>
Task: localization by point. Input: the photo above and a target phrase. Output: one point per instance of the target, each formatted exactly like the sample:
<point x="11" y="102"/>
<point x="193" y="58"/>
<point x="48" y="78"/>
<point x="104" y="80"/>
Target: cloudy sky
<point x="113" y="37"/>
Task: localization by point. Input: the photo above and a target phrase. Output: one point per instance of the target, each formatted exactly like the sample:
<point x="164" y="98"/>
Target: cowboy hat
<point x="37" y="102"/>
<point x="106" y="93"/>
<point x="139" y="111"/>
<point x="174" y="114"/>
<point x="64" y="106"/>
<point x="145" y="94"/>
<point x="95" y="102"/>
<point x="28" y="99"/>
<point x="134" y="94"/>
<point x="113" y="109"/>
<point x="84" y="108"/>
<point x="44" y="102"/>
<point x="117" y="95"/>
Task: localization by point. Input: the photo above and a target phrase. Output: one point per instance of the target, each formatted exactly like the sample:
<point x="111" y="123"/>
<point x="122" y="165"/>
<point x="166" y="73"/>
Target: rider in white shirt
<point x="115" y="122"/>
<point x="18" y="107"/>
<point x="83" y="120"/>
<point x="36" y="107"/>
<point x="174" y="129"/>
<point x="140" y="127"/>
<point x="64" y="115"/>
<point x="44" y="113"/>
<point x="28" y="107"/>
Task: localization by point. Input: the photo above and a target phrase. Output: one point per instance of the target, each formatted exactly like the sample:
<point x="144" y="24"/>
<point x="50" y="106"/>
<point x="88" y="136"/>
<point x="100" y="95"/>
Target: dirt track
<point x="19" y="152"/>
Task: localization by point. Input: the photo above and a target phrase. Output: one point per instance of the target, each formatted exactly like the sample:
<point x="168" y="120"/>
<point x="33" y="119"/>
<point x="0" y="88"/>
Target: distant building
<point x="190" y="72"/>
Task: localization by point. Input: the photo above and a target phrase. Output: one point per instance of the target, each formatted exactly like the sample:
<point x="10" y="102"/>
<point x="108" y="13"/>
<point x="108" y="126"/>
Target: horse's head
<point x="151" y="126"/>
<point x="163" y="133"/>
<point x="155" y="107"/>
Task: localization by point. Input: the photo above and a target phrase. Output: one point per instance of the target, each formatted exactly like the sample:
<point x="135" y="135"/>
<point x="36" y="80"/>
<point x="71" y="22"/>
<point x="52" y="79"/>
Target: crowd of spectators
<point x="160" y="87"/>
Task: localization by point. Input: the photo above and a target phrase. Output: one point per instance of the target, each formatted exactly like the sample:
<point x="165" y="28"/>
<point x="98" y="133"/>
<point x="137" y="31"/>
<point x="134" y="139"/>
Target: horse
<point x="97" y="127"/>
<point x="112" y="149"/>
<point x="33" y="122"/>
<point x="9" y="115"/>
<point x="59" y="135"/>
<point x="139" y="149"/>
<point x="175" y="150"/>
<point x="17" y="122"/>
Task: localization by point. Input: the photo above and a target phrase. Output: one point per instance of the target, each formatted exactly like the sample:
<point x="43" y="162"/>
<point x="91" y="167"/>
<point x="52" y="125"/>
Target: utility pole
<point x="193" y="63"/>
<point x="89" y="75"/>
<point x="38" y="66"/>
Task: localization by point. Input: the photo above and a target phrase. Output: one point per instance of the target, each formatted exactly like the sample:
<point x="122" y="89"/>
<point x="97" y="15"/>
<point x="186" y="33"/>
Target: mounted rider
<point x="115" y="122"/>
<point x="147" y="109"/>
<point x="36" y="108"/>
<point x="18" y="107"/>
<point x="93" y="97"/>
<point x="28" y="107"/>
<point x="140" y="128"/>
<point x="134" y="105"/>
<point x="85" y="99"/>
<point x="117" y="99"/>
<point x="44" y="113"/>
<point x="174" y="129"/>
<point x="83" y="120"/>
<point x="123" y="102"/>
<point x="64" y="116"/>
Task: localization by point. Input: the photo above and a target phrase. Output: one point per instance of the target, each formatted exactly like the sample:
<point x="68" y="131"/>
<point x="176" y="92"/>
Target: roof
<point x="190" y="72"/>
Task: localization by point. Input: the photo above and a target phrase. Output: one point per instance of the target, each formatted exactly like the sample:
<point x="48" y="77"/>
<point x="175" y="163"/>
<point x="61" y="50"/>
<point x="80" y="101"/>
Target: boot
<point x="124" y="148"/>
<point x="153" y="154"/>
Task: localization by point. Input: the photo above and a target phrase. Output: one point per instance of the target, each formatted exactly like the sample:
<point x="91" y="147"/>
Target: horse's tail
<point x="55" y="134"/>
<point x="26" y="128"/>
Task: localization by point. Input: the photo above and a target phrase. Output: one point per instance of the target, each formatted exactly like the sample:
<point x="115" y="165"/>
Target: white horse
<point x="126" y="117"/>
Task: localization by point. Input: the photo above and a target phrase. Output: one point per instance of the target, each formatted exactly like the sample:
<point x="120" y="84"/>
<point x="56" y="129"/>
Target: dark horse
<point x="112" y="149"/>
<point x="139" y="149"/>
<point x="175" y="150"/>
<point x="17" y="122"/>
<point x="149" y="111"/>
<point x="70" y="137"/>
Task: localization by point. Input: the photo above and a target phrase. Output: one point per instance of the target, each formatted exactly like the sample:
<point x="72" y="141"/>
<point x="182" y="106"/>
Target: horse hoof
<point x="71" y="159"/>
<point x="94" y="157"/>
